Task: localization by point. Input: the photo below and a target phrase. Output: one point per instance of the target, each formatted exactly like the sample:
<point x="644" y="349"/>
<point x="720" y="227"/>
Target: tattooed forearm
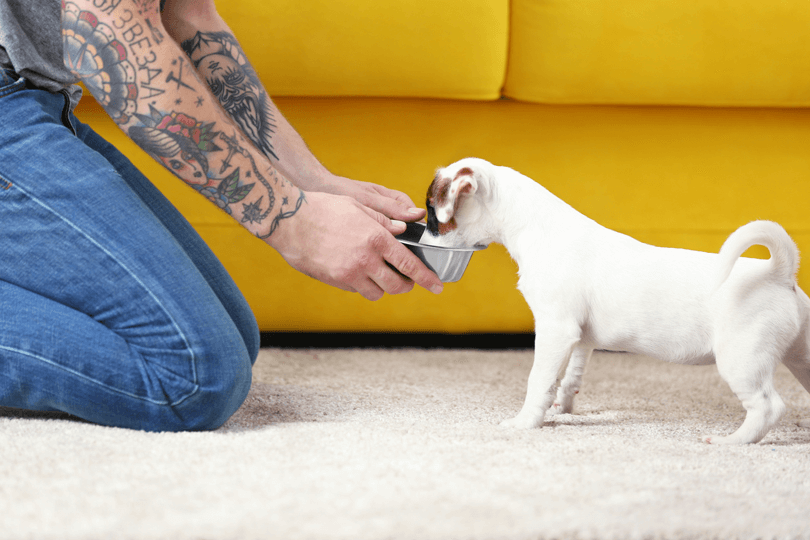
<point x="189" y="148"/>
<point x="223" y="65"/>
<point x="152" y="91"/>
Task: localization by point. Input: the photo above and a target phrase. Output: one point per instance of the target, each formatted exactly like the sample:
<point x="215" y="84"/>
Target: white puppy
<point x="592" y="288"/>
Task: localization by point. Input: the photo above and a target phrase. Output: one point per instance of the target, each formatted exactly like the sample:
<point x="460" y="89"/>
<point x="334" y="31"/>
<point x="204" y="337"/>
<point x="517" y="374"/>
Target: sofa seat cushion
<point x="415" y="48"/>
<point x="711" y="52"/>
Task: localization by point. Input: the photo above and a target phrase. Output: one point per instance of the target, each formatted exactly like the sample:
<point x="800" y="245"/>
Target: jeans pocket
<point x="10" y="82"/>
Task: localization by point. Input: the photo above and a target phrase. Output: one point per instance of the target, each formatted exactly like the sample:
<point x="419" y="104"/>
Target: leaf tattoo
<point x="231" y="190"/>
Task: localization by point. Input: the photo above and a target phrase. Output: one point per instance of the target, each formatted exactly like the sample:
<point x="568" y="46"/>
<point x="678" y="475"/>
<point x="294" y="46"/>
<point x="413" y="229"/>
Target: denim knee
<point x="223" y="383"/>
<point x="218" y="400"/>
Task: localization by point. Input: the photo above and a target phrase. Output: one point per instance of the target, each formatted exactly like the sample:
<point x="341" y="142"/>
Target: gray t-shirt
<point x="31" y="44"/>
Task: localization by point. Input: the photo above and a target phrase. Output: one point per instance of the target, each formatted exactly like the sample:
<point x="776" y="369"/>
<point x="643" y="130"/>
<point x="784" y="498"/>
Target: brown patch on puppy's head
<point x="436" y="197"/>
<point x="444" y="197"/>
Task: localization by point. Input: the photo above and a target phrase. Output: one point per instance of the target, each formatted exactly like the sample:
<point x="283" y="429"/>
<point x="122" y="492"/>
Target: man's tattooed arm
<point x="220" y="61"/>
<point x="128" y="56"/>
<point x="118" y="48"/>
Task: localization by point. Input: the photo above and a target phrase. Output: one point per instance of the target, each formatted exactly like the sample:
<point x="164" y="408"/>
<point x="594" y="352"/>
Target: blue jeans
<point x="112" y="308"/>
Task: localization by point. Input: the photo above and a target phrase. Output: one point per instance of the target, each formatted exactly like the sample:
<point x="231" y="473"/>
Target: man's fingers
<point x="409" y="265"/>
<point x="394" y="226"/>
<point x="370" y="290"/>
<point x="408" y="268"/>
<point x="398" y="208"/>
<point x="394" y="194"/>
<point x="391" y="281"/>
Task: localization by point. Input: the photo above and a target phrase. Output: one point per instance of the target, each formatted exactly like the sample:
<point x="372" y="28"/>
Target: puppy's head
<point x="454" y="203"/>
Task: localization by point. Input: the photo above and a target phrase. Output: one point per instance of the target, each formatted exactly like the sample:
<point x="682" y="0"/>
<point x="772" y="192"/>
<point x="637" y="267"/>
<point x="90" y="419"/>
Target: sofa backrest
<point x="656" y="52"/>
<point x="453" y="49"/>
<point x="671" y="52"/>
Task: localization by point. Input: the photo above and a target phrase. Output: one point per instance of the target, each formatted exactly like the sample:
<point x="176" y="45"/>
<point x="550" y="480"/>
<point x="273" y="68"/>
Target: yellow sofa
<point x="673" y="122"/>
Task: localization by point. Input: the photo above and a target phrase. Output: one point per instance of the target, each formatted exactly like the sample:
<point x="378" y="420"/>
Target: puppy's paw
<point x="563" y="405"/>
<point x="523" y="422"/>
<point x="555" y="409"/>
<point x="718" y="440"/>
<point x="804" y="423"/>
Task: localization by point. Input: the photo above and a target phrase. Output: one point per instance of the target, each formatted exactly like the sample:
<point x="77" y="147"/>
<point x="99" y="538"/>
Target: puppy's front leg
<point x="553" y="345"/>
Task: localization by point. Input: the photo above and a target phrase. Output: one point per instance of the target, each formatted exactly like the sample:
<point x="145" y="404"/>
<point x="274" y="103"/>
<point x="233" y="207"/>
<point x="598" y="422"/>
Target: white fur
<point x="593" y="288"/>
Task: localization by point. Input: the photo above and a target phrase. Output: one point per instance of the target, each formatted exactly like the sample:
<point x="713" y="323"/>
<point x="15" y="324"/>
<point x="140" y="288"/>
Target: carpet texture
<point x="378" y="444"/>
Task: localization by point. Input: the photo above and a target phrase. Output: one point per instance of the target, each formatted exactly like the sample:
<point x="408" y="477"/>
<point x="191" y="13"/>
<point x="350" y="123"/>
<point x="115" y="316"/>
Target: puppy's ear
<point x="446" y="195"/>
<point x="463" y="184"/>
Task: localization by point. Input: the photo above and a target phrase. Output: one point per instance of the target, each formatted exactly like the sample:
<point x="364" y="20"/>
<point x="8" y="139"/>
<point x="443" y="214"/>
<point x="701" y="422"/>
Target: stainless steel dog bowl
<point x="448" y="263"/>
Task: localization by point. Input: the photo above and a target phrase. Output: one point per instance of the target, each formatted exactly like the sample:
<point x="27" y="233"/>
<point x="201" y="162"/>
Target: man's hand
<point x="343" y="243"/>
<point x="391" y="203"/>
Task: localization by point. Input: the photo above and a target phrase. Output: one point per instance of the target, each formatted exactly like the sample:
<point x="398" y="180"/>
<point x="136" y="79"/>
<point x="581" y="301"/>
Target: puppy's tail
<point x="784" y="261"/>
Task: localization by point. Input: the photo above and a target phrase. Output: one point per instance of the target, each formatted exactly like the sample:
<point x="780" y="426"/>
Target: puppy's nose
<point x="432" y="220"/>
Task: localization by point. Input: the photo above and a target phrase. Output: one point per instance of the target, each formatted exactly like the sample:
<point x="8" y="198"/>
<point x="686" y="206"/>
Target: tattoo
<point x="116" y="61"/>
<point x="94" y="54"/>
<point x="285" y="214"/>
<point x="107" y="6"/>
<point x="178" y="79"/>
<point x="223" y="65"/>
<point x="148" y="4"/>
<point x="187" y="147"/>
<point x="252" y="212"/>
<point x="157" y="35"/>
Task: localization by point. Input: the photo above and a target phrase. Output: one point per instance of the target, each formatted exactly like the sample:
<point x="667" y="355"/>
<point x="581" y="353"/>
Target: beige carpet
<point x="378" y="444"/>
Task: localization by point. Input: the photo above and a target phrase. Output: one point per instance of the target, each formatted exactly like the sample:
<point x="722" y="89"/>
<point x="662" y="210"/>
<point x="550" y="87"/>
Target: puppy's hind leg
<point x="572" y="381"/>
<point x="801" y="370"/>
<point x="798" y="362"/>
<point x="797" y="359"/>
<point x="750" y="377"/>
<point x="553" y="344"/>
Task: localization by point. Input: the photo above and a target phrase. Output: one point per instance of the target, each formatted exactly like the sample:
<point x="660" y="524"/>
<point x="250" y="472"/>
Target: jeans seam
<point x="16" y="86"/>
<point x="88" y="379"/>
<point x="144" y="287"/>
